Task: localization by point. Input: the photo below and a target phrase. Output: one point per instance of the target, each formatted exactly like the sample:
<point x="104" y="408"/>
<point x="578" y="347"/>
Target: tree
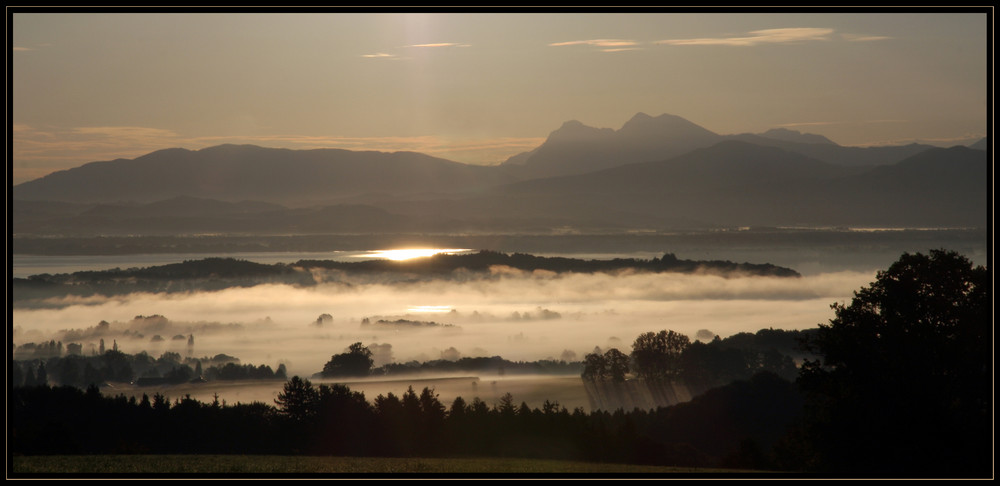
<point x="657" y="355"/>
<point x="905" y="381"/>
<point x="357" y="361"/>
<point x="297" y="400"/>
<point x="617" y="364"/>
<point x="595" y="367"/>
<point x="42" y="377"/>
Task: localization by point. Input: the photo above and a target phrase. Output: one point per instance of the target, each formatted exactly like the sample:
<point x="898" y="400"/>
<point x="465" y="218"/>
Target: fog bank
<point x="514" y="314"/>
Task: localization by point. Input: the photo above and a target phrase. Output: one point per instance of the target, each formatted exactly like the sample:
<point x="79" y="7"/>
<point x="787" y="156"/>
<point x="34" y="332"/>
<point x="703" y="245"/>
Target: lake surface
<point x="27" y="265"/>
<point x="808" y="251"/>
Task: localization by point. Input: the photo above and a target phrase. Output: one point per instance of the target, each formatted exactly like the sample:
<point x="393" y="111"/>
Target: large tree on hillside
<point x="904" y="386"/>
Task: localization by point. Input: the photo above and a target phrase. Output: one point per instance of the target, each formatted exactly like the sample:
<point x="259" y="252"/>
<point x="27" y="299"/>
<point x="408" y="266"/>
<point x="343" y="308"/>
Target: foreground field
<point x="297" y="465"/>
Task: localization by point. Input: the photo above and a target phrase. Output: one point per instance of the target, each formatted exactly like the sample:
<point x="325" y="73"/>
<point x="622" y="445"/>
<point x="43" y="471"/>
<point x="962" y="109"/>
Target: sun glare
<point x="406" y="254"/>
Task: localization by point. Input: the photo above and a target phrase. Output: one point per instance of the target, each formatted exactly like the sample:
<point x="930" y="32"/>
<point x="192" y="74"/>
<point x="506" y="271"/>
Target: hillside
<point x="246" y="172"/>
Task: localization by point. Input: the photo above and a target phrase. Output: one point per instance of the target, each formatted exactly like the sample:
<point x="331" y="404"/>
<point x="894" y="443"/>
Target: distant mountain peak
<point x="574" y="130"/>
<point x="576" y="148"/>
<point x="639" y="117"/>
<point x="788" y="135"/>
<point x="665" y="124"/>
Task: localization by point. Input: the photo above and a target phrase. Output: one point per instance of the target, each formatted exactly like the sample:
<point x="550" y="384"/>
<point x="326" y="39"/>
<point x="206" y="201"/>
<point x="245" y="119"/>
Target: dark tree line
<point x="221" y="273"/>
<point x="357" y="361"/>
<point x="141" y="368"/>
<point x="332" y="419"/>
<point x="668" y="356"/>
<point x="484" y="259"/>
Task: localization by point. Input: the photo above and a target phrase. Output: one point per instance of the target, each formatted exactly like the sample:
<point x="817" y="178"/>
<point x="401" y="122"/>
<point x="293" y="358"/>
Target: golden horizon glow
<point x="410" y="253"/>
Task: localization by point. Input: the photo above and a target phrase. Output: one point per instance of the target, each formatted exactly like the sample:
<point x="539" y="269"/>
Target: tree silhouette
<point x="357" y="361"/>
<point x="657" y="355"/>
<point x="617" y="364"/>
<point x="595" y="367"/>
<point x="905" y="381"/>
<point x="297" y="400"/>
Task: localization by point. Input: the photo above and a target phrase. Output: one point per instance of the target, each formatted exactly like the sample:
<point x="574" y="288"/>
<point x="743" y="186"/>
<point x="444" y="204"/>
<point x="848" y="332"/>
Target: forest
<point x="898" y="384"/>
<point x="221" y="273"/>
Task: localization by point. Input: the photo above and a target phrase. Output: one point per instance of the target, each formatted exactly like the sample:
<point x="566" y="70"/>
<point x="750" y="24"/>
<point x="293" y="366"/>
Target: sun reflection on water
<point x="408" y="253"/>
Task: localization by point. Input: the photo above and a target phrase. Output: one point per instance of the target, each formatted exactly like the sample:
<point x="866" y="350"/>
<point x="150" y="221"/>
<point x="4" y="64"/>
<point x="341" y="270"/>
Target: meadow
<point x="147" y="465"/>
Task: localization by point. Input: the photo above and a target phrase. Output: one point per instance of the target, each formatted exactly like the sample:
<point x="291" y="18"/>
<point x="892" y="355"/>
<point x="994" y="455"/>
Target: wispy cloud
<point x="787" y="35"/>
<point x="388" y="56"/>
<point x="965" y="139"/>
<point x="440" y="44"/>
<point x="766" y="36"/>
<point x="809" y="124"/>
<point x="19" y="49"/>
<point x="37" y="151"/>
<point x="854" y="122"/>
<point x="623" y="49"/>
<point x="863" y="38"/>
<point x="610" y="44"/>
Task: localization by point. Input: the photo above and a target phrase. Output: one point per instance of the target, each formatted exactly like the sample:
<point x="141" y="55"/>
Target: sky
<point x="479" y="87"/>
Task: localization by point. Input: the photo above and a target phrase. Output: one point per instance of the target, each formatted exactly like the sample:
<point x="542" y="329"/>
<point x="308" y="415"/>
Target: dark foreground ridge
<point x="220" y="273"/>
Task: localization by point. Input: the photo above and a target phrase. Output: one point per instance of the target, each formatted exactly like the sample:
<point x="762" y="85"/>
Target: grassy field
<point x="214" y="465"/>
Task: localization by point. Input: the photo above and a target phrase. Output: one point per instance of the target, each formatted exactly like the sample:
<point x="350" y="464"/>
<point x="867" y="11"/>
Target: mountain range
<point x="653" y="172"/>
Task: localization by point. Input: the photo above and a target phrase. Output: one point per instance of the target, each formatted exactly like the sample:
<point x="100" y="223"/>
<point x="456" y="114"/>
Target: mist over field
<point x="513" y="314"/>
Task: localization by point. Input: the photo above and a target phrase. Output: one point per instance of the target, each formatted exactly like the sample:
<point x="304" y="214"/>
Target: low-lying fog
<point x="517" y="315"/>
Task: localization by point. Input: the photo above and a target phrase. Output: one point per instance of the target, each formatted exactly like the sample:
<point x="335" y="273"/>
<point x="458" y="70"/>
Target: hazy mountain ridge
<point x="628" y="179"/>
<point x="576" y="148"/>
<point x="737" y="183"/>
<point x="247" y="172"/>
<point x="197" y="215"/>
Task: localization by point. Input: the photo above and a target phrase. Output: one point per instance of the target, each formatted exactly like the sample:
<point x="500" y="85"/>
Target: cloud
<point x="963" y="139"/>
<point x="38" y="151"/>
<point x="618" y="44"/>
<point x="855" y="122"/>
<point x="126" y="132"/>
<point x="440" y="44"/>
<point x="766" y="36"/>
<point x="863" y="38"/>
<point x="809" y="124"/>
<point x="385" y="55"/>
<point x="21" y="49"/>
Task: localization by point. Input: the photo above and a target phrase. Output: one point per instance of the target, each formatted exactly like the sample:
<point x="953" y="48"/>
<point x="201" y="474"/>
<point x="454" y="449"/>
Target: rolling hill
<point x="247" y="172"/>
